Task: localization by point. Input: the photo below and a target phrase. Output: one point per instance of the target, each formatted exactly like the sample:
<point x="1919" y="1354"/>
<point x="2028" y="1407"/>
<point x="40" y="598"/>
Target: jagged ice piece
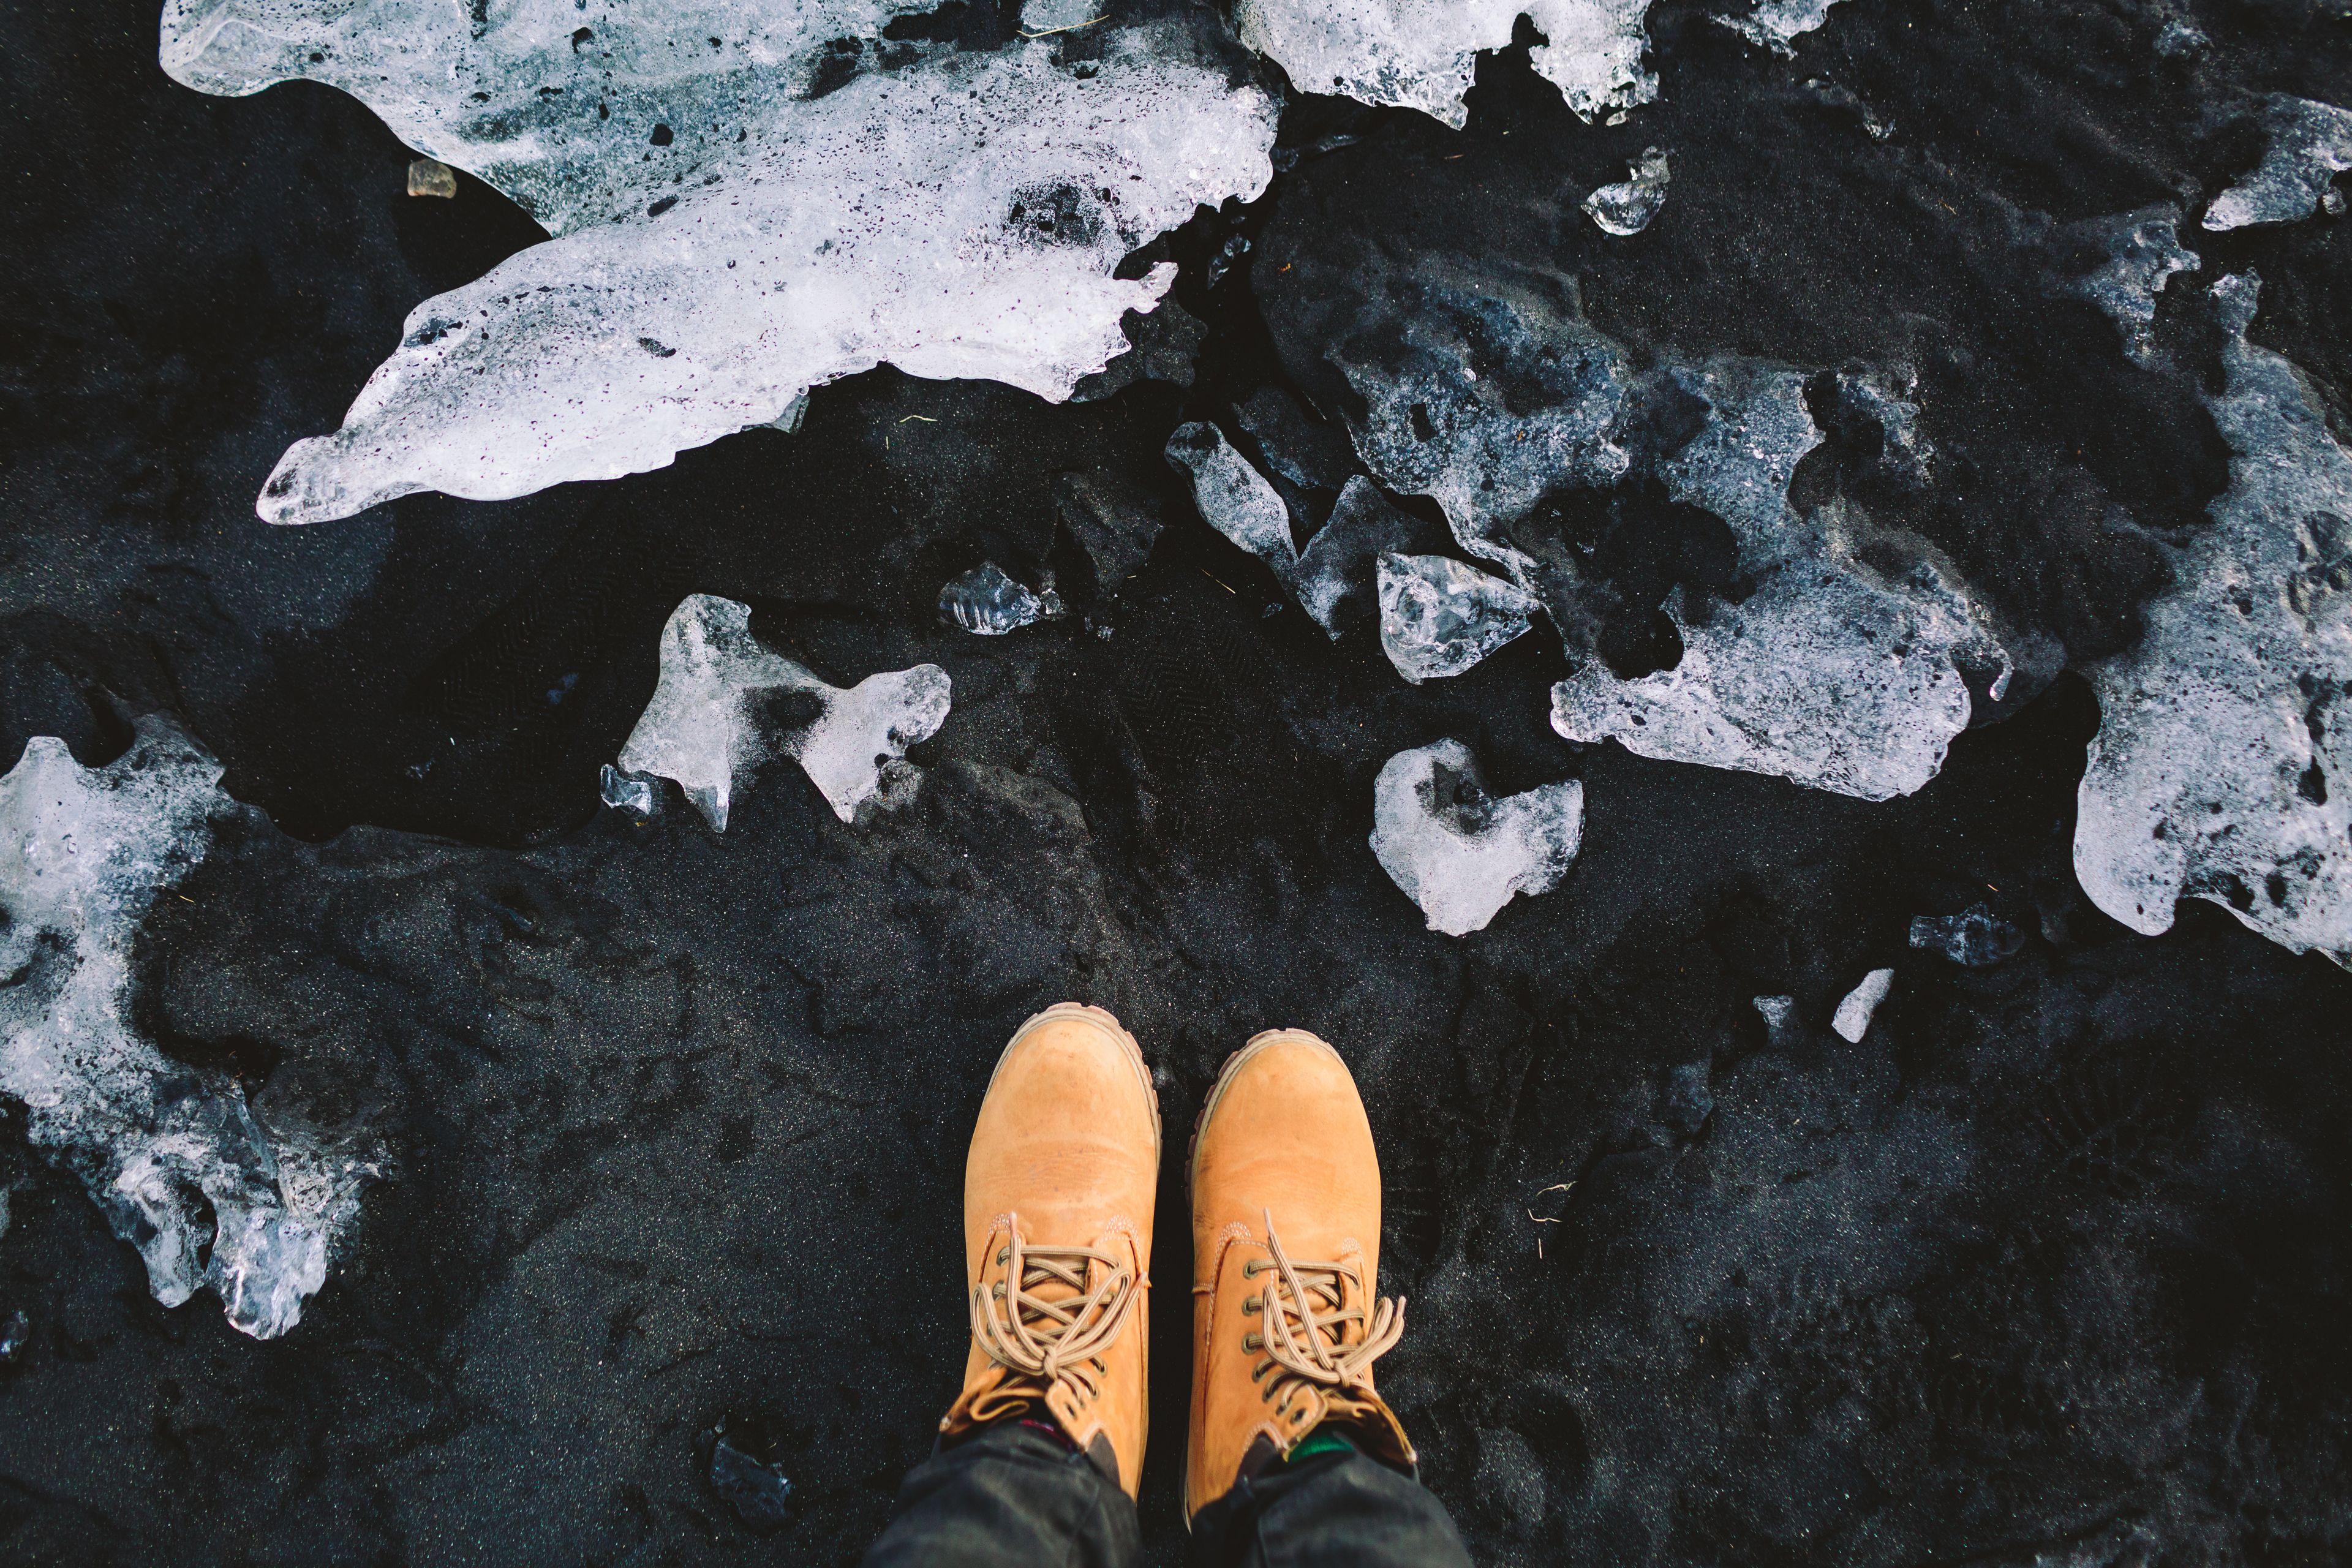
<point x="987" y="600"/>
<point x="1461" y="854"/>
<point x="1627" y="207"/>
<point x="2223" y="768"/>
<point x="1233" y="498"/>
<point x="1851" y="1020"/>
<point x="1976" y="937"/>
<point x="1439" y="616"/>
<point x="2310" y="144"/>
<point x="170" y="1153"/>
<point x="703" y="728"/>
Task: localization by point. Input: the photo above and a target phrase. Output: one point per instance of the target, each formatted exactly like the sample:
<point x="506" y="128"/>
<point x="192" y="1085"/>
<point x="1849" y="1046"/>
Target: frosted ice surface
<point x="1974" y="939"/>
<point x="2143" y="252"/>
<point x="1827" y="673"/>
<point x="1779" y="1016"/>
<point x="1336" y="577"/>
<point x="1234" y="499"/>
<point x="1458" y="852"/>
<point x="1778" y="23"/>
<point x="987" y="600"/>
<point x="1423" y="54"/>
<point x="723" y="242"/>
<point x="172" y="1153"/>
<point x="705" y="727"/>
<point x="2223" y="768"/>
<point x="1851" y="1020"/>
<point x="624" y="791"/>
<point x="2310" y="144"/>
<point x="1439" y="616"/>
<point x="1628" y="207"/>
<point x="1039" y="17"/>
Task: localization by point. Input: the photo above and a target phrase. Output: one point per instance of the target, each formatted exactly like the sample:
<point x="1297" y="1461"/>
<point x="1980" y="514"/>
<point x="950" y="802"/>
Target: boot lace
<point x="1044" y="1324"/>
<point x="1318" y="1334"/>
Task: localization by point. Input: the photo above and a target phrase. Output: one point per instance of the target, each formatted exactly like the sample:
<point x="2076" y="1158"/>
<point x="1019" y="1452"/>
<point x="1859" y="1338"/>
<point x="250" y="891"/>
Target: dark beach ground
<point x="2053" y="1266"/>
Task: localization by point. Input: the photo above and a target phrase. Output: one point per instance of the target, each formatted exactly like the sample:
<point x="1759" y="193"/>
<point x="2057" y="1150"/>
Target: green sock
<point x="1324" y="1440"/>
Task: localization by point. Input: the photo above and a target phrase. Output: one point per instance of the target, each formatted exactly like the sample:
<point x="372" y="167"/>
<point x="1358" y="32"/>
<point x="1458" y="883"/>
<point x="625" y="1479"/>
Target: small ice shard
<point x="730" y="227"/>
<point x="1974" y="939"/>
<point x="986" y="601"/>
<point x="2310" y="144"/>
<point x="1336" y="580"/>
<point x="1458" y="852"/>
<point x="1233" y="498"/>
<point x="1115" y="523"/>
<point x="431" y="177"/>
<point x="2223" y="768"/>
<point x="172" y="1153"/>
<point x="1423" y="54"/>
<point x="1778" y="23"/>
<point x="1779" y="1016"/>
<point x="2142" y="251"/>
<point x="1828" y="673"/>
<point x="1628" y="207"/>
<point x="703" y="727"/>
<point x="758" y="1495"/>
<point x="624" y="793"/>
<point x="1439" y="616"/>
<point x="1851" y="1020"/>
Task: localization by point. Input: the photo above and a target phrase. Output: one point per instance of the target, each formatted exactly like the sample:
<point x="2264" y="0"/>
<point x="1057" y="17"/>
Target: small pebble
<point x="431" y="177"/>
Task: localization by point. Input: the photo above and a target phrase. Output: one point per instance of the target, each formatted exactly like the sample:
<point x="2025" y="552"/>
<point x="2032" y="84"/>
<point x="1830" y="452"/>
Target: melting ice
<point x="987" y="600"/>
<point x="2141" y="252"/>
<point x="1458" y="852"/>
<point x="706" y="728"/>
<point x="1439" y="616"/>
<point x="1627" y="207"/>
<point x="172" y="1153"/>
<point x="2310" y="144"/>
<point x="723" y="242"/>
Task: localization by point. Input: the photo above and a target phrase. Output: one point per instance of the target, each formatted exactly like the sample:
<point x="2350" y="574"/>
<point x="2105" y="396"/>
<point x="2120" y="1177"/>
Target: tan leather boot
<point x="1057" y="1194"/>
<point x="1285" y="1253"/>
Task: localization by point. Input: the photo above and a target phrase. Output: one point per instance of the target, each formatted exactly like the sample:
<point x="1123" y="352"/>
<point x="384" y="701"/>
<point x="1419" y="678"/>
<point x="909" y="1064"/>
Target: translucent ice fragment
<point x="624" y="793"/>
<point x="1628" y="207"/>
<point x="1458" y="852"/>
<point x="1974" y="939"/>
<point x="1778" y="23"/>
<point x="431" y="177"/>
<point x="170" y="1153"/>
<point x="756" y="1494"/>
<point x="1234" y="499"/>
<point x="987" y="600"/>
<point x="2223" y="768"/>
<point x="725" y="703"/>
<point x="2310" y="144"/>
<point x="1337" y="577"/>
<point x="726" y="237"/>
<point x="1779" y="1016"/>
<point x="1439" y="616"/>
<point x="1851" y="1020"/>
<point x="2141" y="251"/>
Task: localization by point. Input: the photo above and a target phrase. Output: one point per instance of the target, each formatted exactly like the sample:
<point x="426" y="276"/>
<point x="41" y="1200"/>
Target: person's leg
<point x="1294" y="1458"/>
<point x="1039" y="1456"/>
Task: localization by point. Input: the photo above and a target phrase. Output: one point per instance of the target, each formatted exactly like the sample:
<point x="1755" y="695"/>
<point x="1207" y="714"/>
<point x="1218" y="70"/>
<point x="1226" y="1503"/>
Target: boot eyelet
<point x="1249" y="1269"/>
<point x="1249" y="1306"/>
<point x="1252" y="1342"/>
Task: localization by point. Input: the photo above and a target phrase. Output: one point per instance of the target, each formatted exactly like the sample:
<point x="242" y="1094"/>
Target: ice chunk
<point x="170" y="1153"/>
<point x="758" y="1495"/>
<point x="1628" y="208"/>
<point x="1423" y="54"/>
<point x="1439" y="616"/>
<point x="2141" y="252"/>
<point x="1115" y="523"/>
<point x="431" y="177"/>
<point x="2310" y="144"/>
<point x="1336" y="581"/>
<point x="727" y="238"/>
<point x="986" y="601"/>
<point x="1779" y="1016"/>
<point x="1830" y="672"/>
<point x="1975" y="938"/>
<point x="1851" y="1020"/>
<point x="2223" y="768"/>
<point x="704" y="727"/>
<point x="1461" y="854"/>
<point x="1234" y="499"/>
<point x="1778" y="23"/>
<point x="623" y="792"/>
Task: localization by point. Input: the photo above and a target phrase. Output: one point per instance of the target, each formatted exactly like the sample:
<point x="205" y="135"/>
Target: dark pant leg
<point x="1012" y="1496"/>
<point x="1334" y="1511"/>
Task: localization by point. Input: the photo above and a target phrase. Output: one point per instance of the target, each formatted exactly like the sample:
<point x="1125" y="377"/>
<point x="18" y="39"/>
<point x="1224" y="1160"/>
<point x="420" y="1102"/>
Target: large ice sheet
<point x="2223" y="768"/>
<point x="1458" y="852"/>
<point x="172" y="1154"/>
<point x="1423" y="54"/>
<point x="2310" y="144"/>
<point x="724" y="244"/>
<point x="725" y="703"/>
